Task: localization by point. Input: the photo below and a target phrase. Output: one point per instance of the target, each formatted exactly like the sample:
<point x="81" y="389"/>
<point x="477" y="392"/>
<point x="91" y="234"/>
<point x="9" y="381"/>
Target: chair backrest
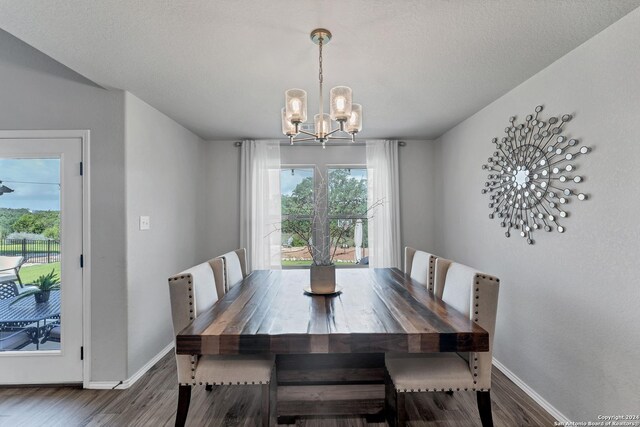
<point x="7" y="262"/>
<point x="235" y="267"/>
<point x="440" y="275"/>
<point x="476" y="295"/>
<point x="8" y="290"/>
<point x="420" y="266"/>
<point x="192" y="292"/>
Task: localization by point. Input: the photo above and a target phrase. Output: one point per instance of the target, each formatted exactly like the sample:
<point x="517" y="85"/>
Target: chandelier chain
<point x="320" y="78"/>
<point x="320" y="60"/>
<point x="341" y="110"/>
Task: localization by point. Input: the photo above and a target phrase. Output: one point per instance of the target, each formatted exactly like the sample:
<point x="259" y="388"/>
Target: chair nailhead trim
<point x="432" y="260"/>
<point x="222" y="383"/>
<point x="477" y="295"/>
<point x="422" y="390"/>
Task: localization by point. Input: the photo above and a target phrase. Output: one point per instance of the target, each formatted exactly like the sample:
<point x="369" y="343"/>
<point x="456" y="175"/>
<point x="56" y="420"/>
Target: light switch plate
<point x="145" y="223"/>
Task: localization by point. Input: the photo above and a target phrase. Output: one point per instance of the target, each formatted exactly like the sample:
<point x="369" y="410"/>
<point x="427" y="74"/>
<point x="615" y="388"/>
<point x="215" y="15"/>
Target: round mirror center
<point x="522" y="177"/>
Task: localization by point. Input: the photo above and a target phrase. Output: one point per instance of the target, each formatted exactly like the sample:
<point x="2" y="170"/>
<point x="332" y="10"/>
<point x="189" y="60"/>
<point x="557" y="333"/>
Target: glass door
<point x="40" y="271"/>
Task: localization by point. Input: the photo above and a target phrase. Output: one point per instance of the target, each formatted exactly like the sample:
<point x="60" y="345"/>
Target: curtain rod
<point x="311" y="144"/>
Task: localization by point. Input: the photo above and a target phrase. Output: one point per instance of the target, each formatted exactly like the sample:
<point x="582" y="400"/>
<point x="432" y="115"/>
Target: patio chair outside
<point x="10" y="269"/>
<point x="15" y="340"/>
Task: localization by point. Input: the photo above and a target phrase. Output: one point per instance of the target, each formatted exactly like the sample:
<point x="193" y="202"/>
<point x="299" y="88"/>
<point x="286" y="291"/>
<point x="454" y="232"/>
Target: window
<point x="338" y="198"/>
<point x="348" y="214"/>
<point x="297" y="190"/>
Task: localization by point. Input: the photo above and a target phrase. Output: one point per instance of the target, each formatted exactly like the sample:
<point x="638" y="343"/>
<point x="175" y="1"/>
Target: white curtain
<point x="260" y="204"/>
<point x="383" y="190"/>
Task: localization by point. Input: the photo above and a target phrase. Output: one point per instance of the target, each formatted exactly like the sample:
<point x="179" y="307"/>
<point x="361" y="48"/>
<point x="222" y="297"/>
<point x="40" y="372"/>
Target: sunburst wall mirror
<point x="532" y="175"/>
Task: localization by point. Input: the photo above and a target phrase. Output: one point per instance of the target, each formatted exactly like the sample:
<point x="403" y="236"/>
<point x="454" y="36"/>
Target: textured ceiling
<point x="221" y="67"/>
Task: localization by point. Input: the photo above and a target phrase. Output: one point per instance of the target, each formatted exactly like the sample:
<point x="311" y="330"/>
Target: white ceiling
<point x="221" y="67"/>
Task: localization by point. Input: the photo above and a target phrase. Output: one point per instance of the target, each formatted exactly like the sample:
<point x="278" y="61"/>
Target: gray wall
<point x="162" y="181"/>
<point x="37" y="92"/>
<point x="417" y="186"/>
<point x="417" y="163"/>
<point x="131" y="319"/>
<point x="221" y="229"/>
<point x="568" y="313"/>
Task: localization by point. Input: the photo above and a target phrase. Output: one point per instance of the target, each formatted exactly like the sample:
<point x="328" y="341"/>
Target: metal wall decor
<point x="530" y="175"/>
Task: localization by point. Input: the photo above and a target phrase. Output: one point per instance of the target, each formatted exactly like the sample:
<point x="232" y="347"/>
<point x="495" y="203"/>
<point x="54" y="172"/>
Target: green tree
<point x="38" y="222"/>
<point x="347" y="196"/>
<point x="7" y="217"/>
<point x="52" y="232"/>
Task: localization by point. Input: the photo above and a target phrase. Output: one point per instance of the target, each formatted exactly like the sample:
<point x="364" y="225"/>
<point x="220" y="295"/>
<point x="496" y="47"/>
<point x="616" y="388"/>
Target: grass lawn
<point x="29" y="274"/>
<point x="297" y="262"/>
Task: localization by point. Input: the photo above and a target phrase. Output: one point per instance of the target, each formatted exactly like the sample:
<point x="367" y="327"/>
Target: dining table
<point x="33" y="317"/>
<point x="330" y="348"/>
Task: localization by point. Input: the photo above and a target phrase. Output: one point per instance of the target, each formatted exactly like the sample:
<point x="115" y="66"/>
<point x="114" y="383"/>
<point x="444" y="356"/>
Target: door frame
<point x="84" y="136"/>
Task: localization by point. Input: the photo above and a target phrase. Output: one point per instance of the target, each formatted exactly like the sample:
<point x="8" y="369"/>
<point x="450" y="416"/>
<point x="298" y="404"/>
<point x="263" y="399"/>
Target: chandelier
<point x="347" y="115"/>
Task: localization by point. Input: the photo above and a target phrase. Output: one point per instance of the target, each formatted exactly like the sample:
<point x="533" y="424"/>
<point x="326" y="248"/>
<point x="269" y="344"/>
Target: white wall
<point x="162" y="181"/>
<point x="37" y="92"/>
<point x="417" y="183"/>
<point x="569" y="312"/>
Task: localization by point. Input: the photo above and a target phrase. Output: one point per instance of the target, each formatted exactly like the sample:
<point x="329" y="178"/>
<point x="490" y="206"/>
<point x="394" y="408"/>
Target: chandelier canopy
<point x="347" y="114"/>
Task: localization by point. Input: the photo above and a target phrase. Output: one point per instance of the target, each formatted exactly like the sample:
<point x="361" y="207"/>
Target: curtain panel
<point x="383" y="189"/>
<point x="260" y="205"/>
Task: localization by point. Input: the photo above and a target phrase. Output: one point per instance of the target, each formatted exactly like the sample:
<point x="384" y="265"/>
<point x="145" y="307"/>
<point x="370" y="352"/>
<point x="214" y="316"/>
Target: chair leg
<point x="401" y="410"/>
<point x="484" y="407"/>
<point x="208" y="387"/>
<point x="184" y="398"/>
<point x="394" y="403"/>
<point x="265" y="412"/>
<point x="389" y="400"/>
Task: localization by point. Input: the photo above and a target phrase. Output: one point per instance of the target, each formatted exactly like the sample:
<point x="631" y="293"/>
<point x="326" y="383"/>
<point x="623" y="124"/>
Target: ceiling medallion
<point x="530" y="175"/>
<point x="343" y="111"/>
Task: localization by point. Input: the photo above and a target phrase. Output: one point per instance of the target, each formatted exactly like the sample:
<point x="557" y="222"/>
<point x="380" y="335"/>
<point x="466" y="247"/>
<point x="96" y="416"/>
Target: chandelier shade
<point x="296" y="105"/>
<point x="342" y="110"/>
<point x="287" y="127"/>
<point x="354" y="124"/>
<point x="340" y="103"/>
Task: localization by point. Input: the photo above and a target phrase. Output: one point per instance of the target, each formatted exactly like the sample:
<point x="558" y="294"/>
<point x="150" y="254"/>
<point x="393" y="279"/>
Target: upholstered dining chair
<point x="192" y="292"/>
<point x="472" y="293"/>
<point x="420" y="266"/>
<point x="235" y="267"/>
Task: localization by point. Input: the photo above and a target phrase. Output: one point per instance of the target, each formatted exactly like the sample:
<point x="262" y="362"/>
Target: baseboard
<point x="120" y="385"/>
<point x="531" y="393"/>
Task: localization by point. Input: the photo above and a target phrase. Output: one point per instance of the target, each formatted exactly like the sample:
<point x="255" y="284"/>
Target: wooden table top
<point x="379" y="310"/>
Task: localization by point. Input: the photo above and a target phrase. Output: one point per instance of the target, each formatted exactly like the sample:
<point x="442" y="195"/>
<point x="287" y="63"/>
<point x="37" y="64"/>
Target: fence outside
<point x="33" y="251"/>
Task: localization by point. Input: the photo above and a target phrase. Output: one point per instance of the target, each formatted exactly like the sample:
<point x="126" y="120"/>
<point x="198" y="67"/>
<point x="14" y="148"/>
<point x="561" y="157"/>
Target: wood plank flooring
<point x="152" y="402"/>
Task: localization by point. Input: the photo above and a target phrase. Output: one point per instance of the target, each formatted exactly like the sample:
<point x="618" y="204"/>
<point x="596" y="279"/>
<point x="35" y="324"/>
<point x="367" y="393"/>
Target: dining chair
<point x="440" y="275"/>
<point x="472" y="293"/>
<point x="420" y="266"/>
<point x="235" y="267"/>
<point x="192" y="292"/>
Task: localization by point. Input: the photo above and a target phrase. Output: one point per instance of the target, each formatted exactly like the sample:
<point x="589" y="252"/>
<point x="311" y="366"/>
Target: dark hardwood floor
<point x="152" y="402"/>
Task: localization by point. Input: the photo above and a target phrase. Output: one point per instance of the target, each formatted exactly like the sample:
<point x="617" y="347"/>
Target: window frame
<point x="318" y="172"/>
